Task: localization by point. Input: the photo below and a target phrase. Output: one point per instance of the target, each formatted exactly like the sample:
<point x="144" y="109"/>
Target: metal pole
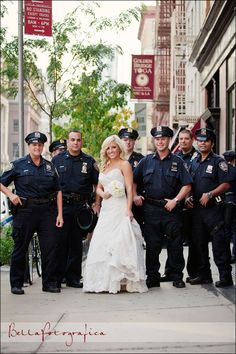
<point x="20" y="78"/>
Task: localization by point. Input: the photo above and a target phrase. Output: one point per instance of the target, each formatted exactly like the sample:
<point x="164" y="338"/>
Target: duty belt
<point x="157" y="202"/>
<point x="28" y="202"/>
<point x="75" y="197"/>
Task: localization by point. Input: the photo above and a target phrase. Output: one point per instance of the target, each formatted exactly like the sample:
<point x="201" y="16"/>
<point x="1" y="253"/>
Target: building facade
<point x="213" y="54"/>
<point x="10" y="128"/>
<point x="195" y="45"/>
<point x="144" y="109"/>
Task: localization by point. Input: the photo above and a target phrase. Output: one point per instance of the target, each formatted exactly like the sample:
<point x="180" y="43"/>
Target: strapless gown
<point x="116" y="255"/>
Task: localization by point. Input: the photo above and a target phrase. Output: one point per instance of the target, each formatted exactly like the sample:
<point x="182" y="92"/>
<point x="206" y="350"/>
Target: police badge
<point x="84" y="167"/>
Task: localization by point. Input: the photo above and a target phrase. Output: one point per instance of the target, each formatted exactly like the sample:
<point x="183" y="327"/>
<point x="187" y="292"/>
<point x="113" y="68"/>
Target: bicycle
<point x="33" y="260"/>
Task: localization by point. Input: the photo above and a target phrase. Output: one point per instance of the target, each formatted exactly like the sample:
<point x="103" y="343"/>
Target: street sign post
<point x="38" y="17"/>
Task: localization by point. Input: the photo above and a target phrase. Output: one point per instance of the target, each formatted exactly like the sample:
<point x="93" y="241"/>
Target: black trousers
<point x="40" y="219"/>
<point x="208" y="223"/>
<point x="138" y="215"/>
<point x="158" y="222"/>
<point x="69" y="246"/>
<point x="187" y="235"/>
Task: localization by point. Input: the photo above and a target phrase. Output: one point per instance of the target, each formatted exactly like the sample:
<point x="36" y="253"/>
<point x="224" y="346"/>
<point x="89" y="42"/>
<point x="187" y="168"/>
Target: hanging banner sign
<point x="38" y="17"/>
<point x="142" y="77"/>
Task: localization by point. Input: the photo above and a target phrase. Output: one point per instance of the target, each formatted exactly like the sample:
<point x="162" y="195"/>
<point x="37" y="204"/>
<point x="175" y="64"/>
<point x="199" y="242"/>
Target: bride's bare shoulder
<point x="125" y="165"/>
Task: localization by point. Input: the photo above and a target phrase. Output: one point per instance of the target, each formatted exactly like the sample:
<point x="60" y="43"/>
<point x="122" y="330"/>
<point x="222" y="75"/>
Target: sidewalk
<point x="164" y="320"/>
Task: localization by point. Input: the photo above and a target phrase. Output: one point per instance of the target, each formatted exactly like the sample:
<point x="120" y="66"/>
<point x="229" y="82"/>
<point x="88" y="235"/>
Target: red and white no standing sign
<point x="38" y="17"/>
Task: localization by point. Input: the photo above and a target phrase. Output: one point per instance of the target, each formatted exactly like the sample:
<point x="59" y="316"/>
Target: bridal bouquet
<point x="116" y="189"/>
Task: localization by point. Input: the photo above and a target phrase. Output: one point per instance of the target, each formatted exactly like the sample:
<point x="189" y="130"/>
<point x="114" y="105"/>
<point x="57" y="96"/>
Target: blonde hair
<point x="103" y="153"/>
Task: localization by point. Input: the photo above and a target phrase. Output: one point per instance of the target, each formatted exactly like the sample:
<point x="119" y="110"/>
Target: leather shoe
<point x="199" y="280"/>
<point x="17" y="291"/>
<point x="224" y="282"/>
<point x="179" y="284"/>
<point x="74" y="284"/>
<point x="51" y="289"/>
<point x="165" y="278"/>
<point x="153" y="283"/>
<point x="189" y="278"/>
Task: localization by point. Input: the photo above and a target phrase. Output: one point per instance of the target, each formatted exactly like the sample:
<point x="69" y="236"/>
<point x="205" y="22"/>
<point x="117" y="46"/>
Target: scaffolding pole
<point x="20" y="78"/>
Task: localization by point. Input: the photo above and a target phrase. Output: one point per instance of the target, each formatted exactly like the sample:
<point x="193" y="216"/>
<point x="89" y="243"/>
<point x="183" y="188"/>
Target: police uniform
<point x="208" y="222"/>
<point x="162" y="179"/>
<point x="78" y="176"/>
<point x="187" y="157"/>
<point x="230" y="203"/>
<point x="186" y="230"/>
<point x="37" y="187"/>
<point x="58" y="144"/>
<point x="134" y="159"/>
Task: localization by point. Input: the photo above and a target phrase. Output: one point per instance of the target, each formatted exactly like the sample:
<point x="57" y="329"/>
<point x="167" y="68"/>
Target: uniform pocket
<point x="148" y="176"/>
<point x="171" y="177"/>
<point x="26" y="177"/>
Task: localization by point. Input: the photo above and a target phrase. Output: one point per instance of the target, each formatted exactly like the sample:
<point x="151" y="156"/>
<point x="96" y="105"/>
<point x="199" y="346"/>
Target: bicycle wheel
<point x="29" y="265"/>
<point x="37" y="256"/>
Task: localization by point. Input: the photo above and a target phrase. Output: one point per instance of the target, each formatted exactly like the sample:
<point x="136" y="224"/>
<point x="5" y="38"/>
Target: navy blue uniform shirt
<point x="162" y="178"/>
<point x="78" y="174"/>
<point x="134" y="159"/>
<point x="208" y="174"/>
<point x="230" y="195"/>
<point x="187" y="157"/>
<point x="32" y="181"/>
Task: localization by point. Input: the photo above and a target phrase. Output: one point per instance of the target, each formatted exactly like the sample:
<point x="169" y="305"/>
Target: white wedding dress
<point x="116" y="254"/>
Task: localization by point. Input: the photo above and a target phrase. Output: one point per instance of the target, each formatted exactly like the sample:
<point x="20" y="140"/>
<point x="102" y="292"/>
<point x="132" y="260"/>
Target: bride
<point x="116" y="257"/>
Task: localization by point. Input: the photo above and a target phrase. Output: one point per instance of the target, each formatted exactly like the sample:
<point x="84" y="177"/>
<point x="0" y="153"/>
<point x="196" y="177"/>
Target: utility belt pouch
<point x="218" y="200"/>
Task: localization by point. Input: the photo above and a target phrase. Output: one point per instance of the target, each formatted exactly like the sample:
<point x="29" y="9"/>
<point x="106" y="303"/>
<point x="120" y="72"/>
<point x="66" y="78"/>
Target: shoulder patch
<point x="223" y="166"/>
<point x="95" y="165"/>
<point x="186" y="166"/>
<point x="9" y="167"/>
<point x="195" y="154"/>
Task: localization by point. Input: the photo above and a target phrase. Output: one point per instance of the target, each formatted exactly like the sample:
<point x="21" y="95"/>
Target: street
<point x="164" y="320"/>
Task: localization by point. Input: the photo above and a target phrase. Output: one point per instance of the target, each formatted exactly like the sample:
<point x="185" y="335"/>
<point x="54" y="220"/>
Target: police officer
<point x="210" y="180"/>
<point x="78" y="177"/>
<point x="37" y="185"/>
<point x="230" y="203"/>
<point x="57" y="147"/>
<point x="187" y="153"/>
<point x="129" y="136"/>
<point x="166" y="181"/>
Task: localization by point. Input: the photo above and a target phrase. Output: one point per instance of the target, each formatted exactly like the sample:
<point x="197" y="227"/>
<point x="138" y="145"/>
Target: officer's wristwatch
<point x="210" y="195"/>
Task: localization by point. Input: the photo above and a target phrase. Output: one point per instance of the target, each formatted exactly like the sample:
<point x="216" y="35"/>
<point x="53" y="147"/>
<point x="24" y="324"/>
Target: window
<point x="231" y="123"/>
<point x="16" y="126"/>
<point x="231" y="116"/>
<point x="15" y="151"/>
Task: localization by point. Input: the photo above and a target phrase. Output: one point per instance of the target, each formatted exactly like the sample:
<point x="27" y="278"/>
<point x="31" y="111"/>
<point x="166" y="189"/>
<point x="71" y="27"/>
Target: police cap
<point x="161" y="130"/>
<point x="204" y="134"/>
<point x="229" y="155"/>
<point x="35" y="137"/>
<point x="57" y="144"/>
<point x="86" y="218"/>
<point x="128" y="133"/>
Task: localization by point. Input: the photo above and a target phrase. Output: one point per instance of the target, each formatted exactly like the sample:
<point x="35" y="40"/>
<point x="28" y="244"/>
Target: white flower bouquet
<point x="116" y="189"/>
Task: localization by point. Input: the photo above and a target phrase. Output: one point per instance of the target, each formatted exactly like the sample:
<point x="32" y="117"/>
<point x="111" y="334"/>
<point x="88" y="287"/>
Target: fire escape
<point x="163" y="62"/>
<point x="181" y="46"/>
